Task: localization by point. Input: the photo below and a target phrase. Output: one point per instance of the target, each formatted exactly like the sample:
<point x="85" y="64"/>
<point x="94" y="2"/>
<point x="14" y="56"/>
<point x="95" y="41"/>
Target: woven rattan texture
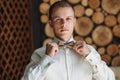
<point x="15" y="38"/>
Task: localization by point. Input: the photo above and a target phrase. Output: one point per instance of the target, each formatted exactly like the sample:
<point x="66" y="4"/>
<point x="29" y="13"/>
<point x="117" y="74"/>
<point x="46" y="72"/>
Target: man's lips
<point x="64" y="30"/>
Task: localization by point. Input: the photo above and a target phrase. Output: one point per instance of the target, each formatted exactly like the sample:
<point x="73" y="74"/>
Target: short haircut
<point x="56" y="5"/>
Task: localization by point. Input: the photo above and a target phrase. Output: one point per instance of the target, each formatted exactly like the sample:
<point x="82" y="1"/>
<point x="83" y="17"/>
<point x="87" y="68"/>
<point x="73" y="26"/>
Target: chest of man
<point x="68" y="66"/>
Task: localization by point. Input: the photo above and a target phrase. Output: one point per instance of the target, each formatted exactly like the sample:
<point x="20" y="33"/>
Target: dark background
<point x="38" y="27"/>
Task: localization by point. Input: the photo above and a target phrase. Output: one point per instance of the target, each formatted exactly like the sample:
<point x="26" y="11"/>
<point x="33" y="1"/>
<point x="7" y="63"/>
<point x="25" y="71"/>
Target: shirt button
<point x="90" y="60"/>
<point x="48" y="64"/>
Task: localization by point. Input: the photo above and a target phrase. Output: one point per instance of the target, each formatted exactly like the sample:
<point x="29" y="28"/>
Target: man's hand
<point x="81" y="48"/>
<point x="52" y="49"/>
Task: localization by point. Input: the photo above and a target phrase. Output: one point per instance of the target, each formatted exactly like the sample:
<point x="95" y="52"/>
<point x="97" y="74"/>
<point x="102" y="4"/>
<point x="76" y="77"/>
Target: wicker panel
<point x="15" y="38"/>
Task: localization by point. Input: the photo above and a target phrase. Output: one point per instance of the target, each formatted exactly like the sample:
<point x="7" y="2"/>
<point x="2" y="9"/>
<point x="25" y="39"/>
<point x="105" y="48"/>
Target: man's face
<point x="63" y="22"/>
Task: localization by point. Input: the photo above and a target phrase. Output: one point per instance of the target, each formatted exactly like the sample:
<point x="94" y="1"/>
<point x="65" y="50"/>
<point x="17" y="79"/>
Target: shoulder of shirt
<point x="91" y="47"/>
<point x="38" y="53"/>
<point x="42" y="49"/>
<point x="93" y="51"/>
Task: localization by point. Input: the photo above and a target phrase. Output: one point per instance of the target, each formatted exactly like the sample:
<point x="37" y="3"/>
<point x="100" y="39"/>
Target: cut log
<point x="112" y="50"/>
<point x="88" y="40"/>
<point x="116" y="30"/>
<point x="110" y="20"/>
<point x="101" y="50"/>
<point x="84" y="26"/>
<point x="74" y="1"/>
<point x="106" y="58"/>
<point x="49" y="31"/>
<point x="94" y="3"/>
<point x="89" y="12"/>
<point x="46" y="41"/>
<point x="116" y="61"/>
<point x="44" y="18"/>
<point x="98" y="17"/>
<point x="79" y="10"/>
<point x="111" y="6"/>
<point x="45" y="1"/>
<point x="118" y="18"/>
<point x="102" y="35"/>
<point x="53" y="1"/>
<point x="78" y="38"/>
<point x="44" y="7"/>
<point x="84" y="2"/>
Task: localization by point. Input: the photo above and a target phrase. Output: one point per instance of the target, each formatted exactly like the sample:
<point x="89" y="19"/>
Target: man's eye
<point x="57" y="20"/>
<point x="69" y="19"/>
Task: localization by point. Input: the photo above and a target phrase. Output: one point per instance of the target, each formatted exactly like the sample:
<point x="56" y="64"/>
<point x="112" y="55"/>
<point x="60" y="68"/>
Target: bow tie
<point x="61" y="44"/>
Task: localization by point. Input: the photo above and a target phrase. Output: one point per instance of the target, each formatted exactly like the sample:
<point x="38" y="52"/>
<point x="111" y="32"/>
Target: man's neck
<point x="65" y="40"/>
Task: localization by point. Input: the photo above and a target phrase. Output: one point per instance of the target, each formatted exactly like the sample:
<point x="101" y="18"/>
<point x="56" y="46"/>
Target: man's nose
<point x="64" y="22"/>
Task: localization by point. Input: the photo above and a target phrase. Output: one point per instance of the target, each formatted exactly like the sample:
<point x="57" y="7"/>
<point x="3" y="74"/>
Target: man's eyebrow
<point x="56" y="17"/>
<point x="60" y="17"/>
<point x="71" y="16"/>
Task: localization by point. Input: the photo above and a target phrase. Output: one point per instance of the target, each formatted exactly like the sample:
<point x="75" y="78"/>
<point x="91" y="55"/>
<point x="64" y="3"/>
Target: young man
<point x="65" y="58"/>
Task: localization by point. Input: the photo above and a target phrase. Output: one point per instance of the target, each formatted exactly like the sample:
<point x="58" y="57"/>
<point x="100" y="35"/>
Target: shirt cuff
<point x="90" y="58"/>
<point x="93" y="60"/>
<point x="93" y="57"/>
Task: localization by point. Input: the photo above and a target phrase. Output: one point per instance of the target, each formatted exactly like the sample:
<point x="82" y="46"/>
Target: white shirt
<point x="67" y="65"/>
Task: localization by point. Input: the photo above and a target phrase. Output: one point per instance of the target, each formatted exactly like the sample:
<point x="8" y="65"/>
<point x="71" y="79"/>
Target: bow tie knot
<point x="66" y="44"/>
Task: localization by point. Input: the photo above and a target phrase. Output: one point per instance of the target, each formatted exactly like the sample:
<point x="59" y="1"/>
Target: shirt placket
<point x="68" y="63"/>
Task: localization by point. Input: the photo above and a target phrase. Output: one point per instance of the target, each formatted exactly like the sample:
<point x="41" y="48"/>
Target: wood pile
<point x="98" y="23"/>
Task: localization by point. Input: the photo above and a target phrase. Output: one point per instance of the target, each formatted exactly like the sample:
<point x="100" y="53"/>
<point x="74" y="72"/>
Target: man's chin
<point x="64" y="34"/>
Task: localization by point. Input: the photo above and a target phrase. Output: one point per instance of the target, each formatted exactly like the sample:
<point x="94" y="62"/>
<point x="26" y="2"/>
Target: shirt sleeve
<point x="37" y="68"/>
<point x="99" y="68"/>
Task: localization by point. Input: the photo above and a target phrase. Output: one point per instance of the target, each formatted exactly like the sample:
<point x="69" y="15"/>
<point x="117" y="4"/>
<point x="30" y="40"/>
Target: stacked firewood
<point x="98" y="23"/>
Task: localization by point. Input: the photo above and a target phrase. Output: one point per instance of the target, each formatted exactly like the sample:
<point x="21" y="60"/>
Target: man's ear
<point x="74" y="21"/>
<point x="50" y="23"/>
